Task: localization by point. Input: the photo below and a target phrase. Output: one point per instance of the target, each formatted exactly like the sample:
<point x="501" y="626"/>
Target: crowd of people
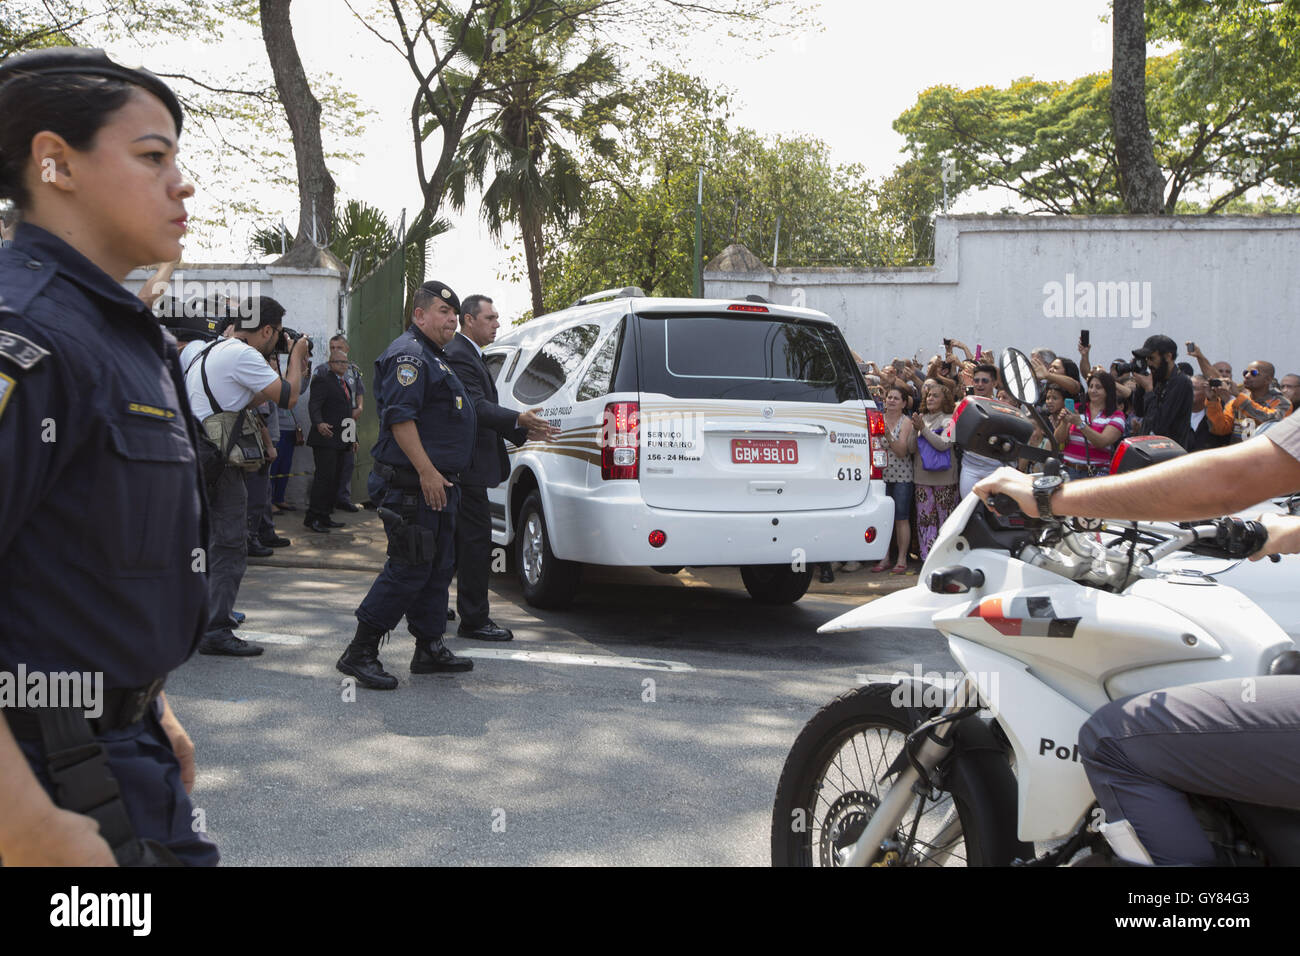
<point x="1090" y="409"/>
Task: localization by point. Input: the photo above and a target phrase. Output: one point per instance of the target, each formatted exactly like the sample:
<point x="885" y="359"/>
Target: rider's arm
<point x="1206" y="484"/>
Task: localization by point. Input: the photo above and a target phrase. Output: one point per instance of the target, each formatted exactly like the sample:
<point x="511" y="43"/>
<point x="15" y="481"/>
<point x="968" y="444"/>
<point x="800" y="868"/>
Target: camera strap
<point x="238" y="425"/>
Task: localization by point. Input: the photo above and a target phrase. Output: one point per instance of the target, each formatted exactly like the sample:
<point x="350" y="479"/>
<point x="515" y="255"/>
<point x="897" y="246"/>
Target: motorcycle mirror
<point x="1018" y="376"/>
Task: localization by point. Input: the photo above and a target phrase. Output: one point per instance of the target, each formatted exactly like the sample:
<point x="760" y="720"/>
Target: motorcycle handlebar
<point x="1221" y="537"/>
<point x="1004" y="505"/>
<point x="1233" y="537"/>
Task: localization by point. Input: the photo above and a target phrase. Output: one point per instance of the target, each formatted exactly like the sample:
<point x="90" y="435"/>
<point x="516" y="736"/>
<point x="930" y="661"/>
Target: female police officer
<point x="101" y="520"/>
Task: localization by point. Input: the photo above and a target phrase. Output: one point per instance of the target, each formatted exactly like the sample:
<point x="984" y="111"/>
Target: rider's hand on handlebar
<point x="1008" y="481"/>
<point x="1283" y="535"/>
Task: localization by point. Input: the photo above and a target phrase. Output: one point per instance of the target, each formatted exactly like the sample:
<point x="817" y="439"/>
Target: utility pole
<point x="699" y="237"/>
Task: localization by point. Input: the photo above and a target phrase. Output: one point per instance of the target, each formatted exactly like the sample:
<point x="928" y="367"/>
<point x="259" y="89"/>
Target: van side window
<point x="554" y="363"/>
<point x="597" y="380"/>
<point x="494" y="363"/>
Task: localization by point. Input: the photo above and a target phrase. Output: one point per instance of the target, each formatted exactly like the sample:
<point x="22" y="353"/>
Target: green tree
<point x="638" y="228"/>
<point x="538" y="102"/>
<point x="239" y="124"/>
<point x="453" y="51"/>
<point x="360" y="230"/>
<point x="1222" y="111"/>
<point x="1141" y="182"/>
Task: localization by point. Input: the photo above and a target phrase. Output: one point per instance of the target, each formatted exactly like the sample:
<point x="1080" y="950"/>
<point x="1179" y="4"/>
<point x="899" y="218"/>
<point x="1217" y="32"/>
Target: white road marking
<point x="586" y="660"/>
<point x="262" y="637"/>
<point x="527" y="657"/>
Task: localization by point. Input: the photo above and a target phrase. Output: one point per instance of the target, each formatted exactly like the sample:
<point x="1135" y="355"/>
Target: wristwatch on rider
<point x="1044" y="487"/>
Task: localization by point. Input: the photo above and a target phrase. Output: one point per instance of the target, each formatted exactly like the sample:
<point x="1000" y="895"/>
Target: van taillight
<point x="876" y="428"/>
<point x="619" y="439"/>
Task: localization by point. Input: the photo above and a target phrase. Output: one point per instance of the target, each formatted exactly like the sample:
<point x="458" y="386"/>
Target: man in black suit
<point x="490" y="466"/>
<point x="331" y="405"/>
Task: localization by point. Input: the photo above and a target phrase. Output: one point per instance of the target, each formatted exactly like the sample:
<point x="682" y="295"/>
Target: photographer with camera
<point x="227" y="377"/>
<point x="1260" y="401"/>
<point x="1163" y="397"/>
<point x="1203" y="436"/>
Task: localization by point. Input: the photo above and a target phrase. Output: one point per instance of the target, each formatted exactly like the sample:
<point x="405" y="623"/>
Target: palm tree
<point x="360" y="229"/>
<point x="536" y="106"/>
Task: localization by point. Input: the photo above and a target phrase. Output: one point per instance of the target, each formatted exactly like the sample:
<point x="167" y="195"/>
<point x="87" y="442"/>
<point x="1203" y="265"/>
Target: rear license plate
<point x="764" y="451"/>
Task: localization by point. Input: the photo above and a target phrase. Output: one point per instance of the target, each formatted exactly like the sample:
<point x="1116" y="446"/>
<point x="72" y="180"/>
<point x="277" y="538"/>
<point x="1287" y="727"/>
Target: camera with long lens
<point x="1120" y="367"/>
<point x="288" y="337"/>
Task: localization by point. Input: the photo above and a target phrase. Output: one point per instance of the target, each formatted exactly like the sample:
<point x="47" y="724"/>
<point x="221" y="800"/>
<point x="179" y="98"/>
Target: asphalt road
<point x="647" y="725"/>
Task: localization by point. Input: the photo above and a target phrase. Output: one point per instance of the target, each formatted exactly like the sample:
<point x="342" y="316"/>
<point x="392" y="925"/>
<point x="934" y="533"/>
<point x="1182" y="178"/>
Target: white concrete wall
<point x="1229" y="283"/>
<point x="311" y="301"/>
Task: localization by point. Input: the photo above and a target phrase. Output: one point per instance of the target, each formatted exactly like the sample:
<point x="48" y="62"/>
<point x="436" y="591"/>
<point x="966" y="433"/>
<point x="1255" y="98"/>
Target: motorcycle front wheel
<point x="837" y="773"/>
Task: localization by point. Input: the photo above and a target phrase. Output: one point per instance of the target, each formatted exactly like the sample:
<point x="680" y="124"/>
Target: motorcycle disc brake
<point x="844" y="823"/>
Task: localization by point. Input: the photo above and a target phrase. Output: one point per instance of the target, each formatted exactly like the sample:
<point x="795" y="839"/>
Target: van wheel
<point x="775" y="583"/>
<point x="547" y="581"/>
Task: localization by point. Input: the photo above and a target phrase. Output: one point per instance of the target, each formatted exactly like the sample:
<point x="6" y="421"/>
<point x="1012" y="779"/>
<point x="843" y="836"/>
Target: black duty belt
<point x="404" y="476"/>
<point x="121" y="708"/>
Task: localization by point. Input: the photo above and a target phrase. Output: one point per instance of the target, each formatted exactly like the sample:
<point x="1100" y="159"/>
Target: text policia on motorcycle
<point x="1108" y="700"/>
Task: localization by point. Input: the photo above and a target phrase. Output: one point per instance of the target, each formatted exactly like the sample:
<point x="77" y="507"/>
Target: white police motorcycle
<point x="1048" y="619"/>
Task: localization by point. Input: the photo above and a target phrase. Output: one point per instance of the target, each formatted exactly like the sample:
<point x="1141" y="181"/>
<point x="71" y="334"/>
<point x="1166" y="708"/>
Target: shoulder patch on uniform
<point x="150" y="411"/>
<point x="7" y="386"/>
<point x="22" y="351"/>
<point x="407" y="374"/>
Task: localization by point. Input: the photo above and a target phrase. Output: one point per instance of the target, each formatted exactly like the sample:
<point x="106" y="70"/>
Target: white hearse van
<point x="695" y="432"/>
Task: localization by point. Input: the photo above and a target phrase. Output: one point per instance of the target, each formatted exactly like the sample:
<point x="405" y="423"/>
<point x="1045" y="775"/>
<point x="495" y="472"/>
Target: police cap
<point x="440" y="290"/>
<point x="79" y="61"/>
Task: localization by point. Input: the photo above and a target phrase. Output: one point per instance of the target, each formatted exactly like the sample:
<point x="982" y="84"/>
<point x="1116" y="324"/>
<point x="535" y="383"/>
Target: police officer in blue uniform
<point x="426" y="436"/>
<point x="102" y="516"/>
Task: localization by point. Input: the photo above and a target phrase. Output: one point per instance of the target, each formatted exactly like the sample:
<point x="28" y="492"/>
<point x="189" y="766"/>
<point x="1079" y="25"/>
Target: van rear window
<point x="757" y="358"/>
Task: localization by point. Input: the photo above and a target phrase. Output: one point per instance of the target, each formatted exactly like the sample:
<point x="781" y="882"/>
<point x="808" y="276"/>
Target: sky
<point x="843" y="78"/>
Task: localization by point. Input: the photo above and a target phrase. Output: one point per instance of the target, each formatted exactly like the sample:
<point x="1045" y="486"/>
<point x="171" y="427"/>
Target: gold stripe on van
<point x="581" y="454"/>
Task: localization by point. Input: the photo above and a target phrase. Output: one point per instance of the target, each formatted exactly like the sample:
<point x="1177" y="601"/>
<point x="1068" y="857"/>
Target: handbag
<point x="235" y="436"/>
<point x="934" y="459"/>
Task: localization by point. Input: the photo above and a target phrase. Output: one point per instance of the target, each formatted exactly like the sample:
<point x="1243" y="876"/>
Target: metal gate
<point x="375" y="316"/>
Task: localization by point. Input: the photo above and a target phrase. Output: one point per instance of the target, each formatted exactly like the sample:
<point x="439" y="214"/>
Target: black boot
<point x="433" y="657"/>
<point x="361" y="660"/>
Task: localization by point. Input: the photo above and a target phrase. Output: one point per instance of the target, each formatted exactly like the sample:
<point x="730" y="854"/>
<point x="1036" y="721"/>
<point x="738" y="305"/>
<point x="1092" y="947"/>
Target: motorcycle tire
<point x="806" y="831"/>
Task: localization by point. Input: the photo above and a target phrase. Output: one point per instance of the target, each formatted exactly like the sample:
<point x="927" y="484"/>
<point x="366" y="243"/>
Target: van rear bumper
<point x="615" y="531"/>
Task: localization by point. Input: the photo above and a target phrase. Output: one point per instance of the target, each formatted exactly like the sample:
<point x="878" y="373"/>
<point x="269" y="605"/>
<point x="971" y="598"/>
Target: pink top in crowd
<point x="1080" y="453"/>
